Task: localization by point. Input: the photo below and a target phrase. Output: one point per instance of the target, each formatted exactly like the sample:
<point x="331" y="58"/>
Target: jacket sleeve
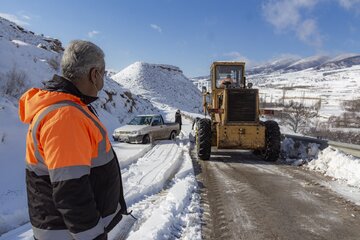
<point x="67" y="146"/>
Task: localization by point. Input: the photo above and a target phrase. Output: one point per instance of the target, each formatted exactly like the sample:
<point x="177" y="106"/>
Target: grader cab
<point x="233" y="111"/>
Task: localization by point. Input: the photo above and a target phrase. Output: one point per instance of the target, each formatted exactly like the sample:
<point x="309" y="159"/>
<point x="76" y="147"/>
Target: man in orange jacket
<point x="73" y="177"/>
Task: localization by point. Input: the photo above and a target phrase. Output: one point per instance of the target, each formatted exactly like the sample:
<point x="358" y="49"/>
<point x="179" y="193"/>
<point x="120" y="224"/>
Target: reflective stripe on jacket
<point x="73" y="178"/>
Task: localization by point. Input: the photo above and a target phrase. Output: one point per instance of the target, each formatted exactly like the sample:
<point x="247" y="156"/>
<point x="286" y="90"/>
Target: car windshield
<point x="141" y="120"/>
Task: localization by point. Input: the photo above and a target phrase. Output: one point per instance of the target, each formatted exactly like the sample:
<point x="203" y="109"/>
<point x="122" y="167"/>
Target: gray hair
<point x="79" y="57"/>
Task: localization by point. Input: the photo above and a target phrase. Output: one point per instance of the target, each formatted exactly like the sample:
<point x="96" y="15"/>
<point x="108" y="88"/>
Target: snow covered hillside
<point x="165" y="85"/>
<point x="11" y="31"/>
<point x="26" y="60"/>
<point x="317" y="62"/>
<point x="331" y="86"/>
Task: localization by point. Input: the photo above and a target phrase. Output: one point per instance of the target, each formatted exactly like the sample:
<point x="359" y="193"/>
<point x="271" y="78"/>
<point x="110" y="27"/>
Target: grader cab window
<point x="230" y="76"/>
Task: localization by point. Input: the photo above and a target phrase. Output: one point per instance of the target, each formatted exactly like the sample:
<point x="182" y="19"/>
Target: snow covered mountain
<point x="294" y="64"/>
<point x="273" y="66"/>
<point x="164" y="85"/>
<point x="342" y="61"/>
<point x="305" y="63"/>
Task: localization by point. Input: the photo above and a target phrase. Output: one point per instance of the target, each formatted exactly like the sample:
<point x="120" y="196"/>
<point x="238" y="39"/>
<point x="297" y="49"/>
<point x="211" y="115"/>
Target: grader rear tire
<point x="273" y="141"/>
<point x="203" y="138"/>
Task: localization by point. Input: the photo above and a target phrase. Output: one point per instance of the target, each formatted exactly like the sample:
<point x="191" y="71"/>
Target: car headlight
<point x="135" y="133"/>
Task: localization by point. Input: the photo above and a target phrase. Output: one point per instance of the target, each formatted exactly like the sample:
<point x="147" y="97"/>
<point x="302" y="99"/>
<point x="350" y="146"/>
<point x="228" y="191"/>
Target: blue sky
<point x="191" y="34"/>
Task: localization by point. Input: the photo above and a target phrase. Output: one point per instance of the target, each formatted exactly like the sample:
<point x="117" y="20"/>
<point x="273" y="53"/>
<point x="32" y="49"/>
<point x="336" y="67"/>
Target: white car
<point x="146" y="128"/>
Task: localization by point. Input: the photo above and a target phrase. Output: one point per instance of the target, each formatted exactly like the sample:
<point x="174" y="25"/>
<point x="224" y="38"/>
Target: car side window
<point x="157" y="121"/>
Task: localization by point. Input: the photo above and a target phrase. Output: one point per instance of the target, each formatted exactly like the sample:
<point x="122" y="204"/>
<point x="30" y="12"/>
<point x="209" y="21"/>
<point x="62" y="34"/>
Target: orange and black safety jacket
<point x="73" y="178"/>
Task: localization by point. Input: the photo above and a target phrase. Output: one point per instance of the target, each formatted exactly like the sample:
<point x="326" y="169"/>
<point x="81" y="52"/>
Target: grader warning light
<point x="232" y="115"/>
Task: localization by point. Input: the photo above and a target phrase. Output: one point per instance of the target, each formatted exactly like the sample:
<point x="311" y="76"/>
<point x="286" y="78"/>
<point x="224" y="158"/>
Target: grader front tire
<point x="272" y="138"/>
<point x="203" y="139"/>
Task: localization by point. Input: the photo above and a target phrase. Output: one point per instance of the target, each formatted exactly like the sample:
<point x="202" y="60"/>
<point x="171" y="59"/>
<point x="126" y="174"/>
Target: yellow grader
<point x="233" y="110"/>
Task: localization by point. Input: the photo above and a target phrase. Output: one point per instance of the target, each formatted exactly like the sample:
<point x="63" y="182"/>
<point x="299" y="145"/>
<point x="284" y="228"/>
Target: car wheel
<point x="172" y="135"/>
<point x="146" y="139"/>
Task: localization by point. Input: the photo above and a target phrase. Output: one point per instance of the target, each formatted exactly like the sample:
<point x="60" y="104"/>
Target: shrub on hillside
<point x="54" y="63"/>
<point x="15" y="83"/>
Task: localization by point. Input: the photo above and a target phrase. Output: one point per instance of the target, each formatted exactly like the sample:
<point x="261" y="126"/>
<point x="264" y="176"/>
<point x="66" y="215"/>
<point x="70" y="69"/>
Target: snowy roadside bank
<point x="344" y="169"/>
<point x="334" y="163"/>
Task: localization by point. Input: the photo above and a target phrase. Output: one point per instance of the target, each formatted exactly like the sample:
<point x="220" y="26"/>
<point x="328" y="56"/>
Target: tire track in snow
<point x="133" y="153"/>
<point x="170" y="208"/>
<point x="165" y="155"/>
<point x="150" y="174"/>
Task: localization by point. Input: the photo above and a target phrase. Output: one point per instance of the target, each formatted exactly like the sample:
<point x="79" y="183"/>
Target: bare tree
<point x="297" y="115"/>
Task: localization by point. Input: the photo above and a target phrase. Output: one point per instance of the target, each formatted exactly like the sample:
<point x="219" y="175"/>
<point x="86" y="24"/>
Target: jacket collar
<point x="62" y="84"/>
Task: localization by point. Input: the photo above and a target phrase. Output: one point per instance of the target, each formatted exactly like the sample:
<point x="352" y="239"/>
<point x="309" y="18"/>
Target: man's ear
<point x="92" y="75"/>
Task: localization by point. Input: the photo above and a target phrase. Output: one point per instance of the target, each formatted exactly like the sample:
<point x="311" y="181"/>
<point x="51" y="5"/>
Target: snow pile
<point x="164" y="85"/>
<point x="296" y="152"/>
<point x="330" y="161"/>
<point x="337" y="164"/>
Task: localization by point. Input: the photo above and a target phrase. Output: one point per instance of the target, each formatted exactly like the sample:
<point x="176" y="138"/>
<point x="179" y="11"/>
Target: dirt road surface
<point x="244" y="197"/>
